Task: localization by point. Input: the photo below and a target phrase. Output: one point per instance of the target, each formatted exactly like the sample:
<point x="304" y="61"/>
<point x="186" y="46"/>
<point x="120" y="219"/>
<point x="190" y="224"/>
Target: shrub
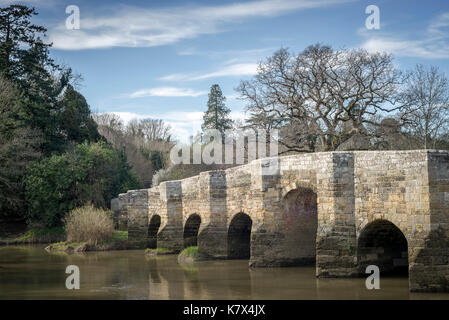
<point x="90" y="173"/>
<point x="89" y="224"/>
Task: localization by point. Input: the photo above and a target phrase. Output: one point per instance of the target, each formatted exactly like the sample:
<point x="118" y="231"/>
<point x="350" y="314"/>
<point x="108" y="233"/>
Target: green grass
<point x="117" y="236"/>
<point x="39" y="232"/>
<point x="190" y="252"/>
<point x="63" y="245"/>
<point x="120" y="235"/>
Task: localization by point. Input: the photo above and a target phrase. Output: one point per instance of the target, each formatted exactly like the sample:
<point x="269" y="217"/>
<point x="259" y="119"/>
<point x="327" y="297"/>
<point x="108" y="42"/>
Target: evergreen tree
<point x="18" y="149"/>
<point x="217" y="114"/>
<point x="76" y="121"/>
<point x="17" y="35"/>
<point x="25" y="60"/>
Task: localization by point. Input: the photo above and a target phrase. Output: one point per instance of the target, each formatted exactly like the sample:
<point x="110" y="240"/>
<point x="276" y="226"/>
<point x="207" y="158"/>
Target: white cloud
<point x="184" y="123"/>
<point x="219" y="54"/>
<point x="34" y="3"/>
<point x="9" y="2"/>
<point x="238" y="69"/>
<point x="427" y="49"/>
<point x="441" y="22"/>
<point x="128" y="26"/>
<point x="434" y="45"/>
<point x="166" y="92"/>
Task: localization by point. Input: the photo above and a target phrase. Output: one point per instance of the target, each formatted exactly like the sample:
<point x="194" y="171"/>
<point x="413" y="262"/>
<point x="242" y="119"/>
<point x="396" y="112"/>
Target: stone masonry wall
<point x="352" y="189"/>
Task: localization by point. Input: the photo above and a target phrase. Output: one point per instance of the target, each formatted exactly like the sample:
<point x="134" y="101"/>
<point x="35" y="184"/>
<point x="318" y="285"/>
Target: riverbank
<point x="23" y="235"/>
<point x="119" y="241"/>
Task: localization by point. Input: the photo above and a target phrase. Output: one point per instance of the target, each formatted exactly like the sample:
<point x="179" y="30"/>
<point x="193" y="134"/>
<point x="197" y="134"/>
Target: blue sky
<point x="159" y="58"/>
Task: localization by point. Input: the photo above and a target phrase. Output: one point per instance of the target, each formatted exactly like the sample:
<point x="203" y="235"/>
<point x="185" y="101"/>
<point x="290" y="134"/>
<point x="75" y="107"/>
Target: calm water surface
<point x="29" y="272"/>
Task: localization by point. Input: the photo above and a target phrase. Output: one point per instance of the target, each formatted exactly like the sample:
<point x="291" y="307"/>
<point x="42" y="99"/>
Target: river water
<point x="29" y="272"/>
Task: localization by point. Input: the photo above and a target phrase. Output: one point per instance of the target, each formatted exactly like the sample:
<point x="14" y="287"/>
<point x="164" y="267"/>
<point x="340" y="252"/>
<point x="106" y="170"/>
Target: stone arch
<point x="153" y="228"/>
<point x="298" y="185"/>
<point x="300" y="224"/>
<point x="191" y="227"/>
<point x="383" y="244"/>
<point x="239" y="236"/>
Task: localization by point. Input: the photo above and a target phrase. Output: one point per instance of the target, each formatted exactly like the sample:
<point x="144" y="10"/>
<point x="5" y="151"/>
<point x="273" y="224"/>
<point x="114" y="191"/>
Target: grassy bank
<point x="118" y="241"/>
<point x="34" y="235"/>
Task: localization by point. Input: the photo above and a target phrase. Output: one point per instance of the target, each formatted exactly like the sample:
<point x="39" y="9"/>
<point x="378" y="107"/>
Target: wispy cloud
<point x="184" y="123"/>
<point x="9" y="2"/>
<point x="427" y="49"/>
<point x="238" y="69"/>
<point x="433" y="45"/>
<point x="220" y="54"/>
<point x="166" y="92"/>
<point x="438" y="26"/>
<point x="128" y="26"/>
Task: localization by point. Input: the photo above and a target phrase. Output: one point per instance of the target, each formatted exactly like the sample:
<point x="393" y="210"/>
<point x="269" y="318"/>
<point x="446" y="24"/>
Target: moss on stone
<point x="188" y="255"/>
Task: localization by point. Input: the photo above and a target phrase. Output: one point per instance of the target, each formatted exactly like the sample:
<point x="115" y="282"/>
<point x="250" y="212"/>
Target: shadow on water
<point x="29" y="272"/>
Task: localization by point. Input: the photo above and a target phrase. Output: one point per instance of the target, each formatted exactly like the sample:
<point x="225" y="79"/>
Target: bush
<point x="89" y="224"/>
<point x="90" y="173"/>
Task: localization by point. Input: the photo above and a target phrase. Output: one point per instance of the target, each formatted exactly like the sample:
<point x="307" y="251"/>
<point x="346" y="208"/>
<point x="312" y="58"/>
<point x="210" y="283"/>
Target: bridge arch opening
<point x="383" y="244"/>
<point x="300" y="220"/>
<point x="191" y="228"/>
<point x="153" y="229"/>
<point x="239" y="237"/>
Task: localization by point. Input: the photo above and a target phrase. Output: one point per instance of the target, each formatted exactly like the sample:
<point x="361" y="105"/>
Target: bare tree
<point x="111" y="127"/>
<point x="321" y="97"/>
<point x="146" y="142"/>
<point x="426" y="111"/>
<point x="150" y="129"/>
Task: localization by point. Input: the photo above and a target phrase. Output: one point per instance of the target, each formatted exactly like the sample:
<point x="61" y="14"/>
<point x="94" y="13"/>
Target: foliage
<point x="25" y="60"/>
<point x="120" y="235"/>
<point x="76" y="121"/>
<point x="157" y="159"/>
<point x="37" y="233"/>
<point x="190" y="252"/>
<point x="146" y="142"/>
<point x="89" y="224"/>
<point x="18" y="148"/>
<point x="89" y="173"/>
<point x="217" y="114"/>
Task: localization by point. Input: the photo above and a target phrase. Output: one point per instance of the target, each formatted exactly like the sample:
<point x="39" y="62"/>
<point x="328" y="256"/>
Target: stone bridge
<point x="342" y="211"/>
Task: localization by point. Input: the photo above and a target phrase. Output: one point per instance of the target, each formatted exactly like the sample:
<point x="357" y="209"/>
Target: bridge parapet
<point x="314" y="206"/>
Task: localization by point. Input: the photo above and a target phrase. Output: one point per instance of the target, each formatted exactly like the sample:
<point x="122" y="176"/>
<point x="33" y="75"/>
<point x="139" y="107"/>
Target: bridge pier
<point x="212" y="237"/>
<point x="170" y="235"/>
<point x="336" y="236"/>
<point x="314" y="208"/>
<point x="137" y="210"/>
<point x="429" y="239"/>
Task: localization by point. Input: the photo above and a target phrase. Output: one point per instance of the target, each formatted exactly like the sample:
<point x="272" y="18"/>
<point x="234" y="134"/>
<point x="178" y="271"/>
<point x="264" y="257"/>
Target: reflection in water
<point x="29" y="272"/>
